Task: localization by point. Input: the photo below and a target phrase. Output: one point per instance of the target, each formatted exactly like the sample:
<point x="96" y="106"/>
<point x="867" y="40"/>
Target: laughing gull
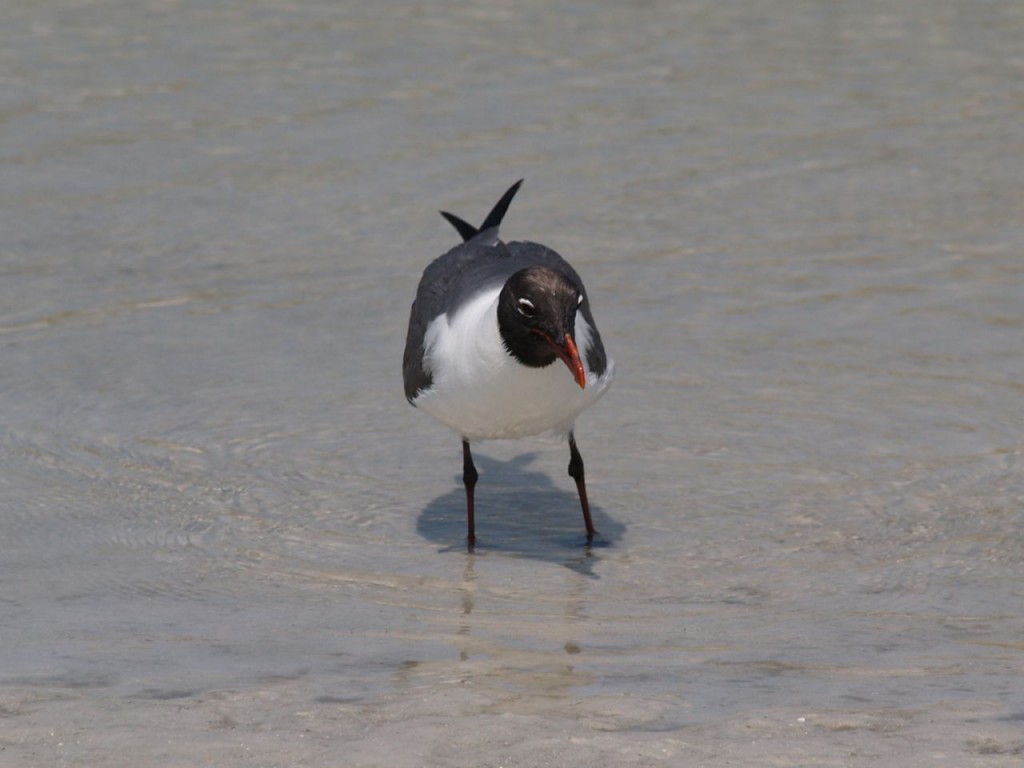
<point x="488" y="325"/>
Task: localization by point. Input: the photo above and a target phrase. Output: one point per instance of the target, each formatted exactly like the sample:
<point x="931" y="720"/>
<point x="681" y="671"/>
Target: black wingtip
<point x="466" y="230"/>
<point x="498" y="211"/>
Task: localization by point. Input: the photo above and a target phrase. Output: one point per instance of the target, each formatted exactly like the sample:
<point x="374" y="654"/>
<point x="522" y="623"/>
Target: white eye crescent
<point x="579" y="300"/>
<point x="526" y="307"/>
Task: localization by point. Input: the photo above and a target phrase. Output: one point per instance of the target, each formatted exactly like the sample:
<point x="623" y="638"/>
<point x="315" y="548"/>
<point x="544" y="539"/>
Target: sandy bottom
<point x="280" y="725"/>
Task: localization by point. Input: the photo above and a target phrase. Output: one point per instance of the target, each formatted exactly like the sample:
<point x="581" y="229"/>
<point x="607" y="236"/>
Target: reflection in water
<point x="529" y="665"/>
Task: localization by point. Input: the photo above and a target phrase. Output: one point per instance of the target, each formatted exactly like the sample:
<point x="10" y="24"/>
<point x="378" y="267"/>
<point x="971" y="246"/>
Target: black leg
<point x="576" y="473"/>
<point x="469" y="476"/>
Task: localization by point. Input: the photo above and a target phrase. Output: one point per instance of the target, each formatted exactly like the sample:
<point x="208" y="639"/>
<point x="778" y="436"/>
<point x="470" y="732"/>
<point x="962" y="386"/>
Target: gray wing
<point x="465" y="270"/>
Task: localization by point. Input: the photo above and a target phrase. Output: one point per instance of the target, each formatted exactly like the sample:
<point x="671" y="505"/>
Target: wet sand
<point x="280" y="724"/>
<point x="229" y="541"/>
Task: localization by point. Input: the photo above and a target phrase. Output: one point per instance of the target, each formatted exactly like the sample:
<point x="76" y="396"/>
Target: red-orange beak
<point x="571" y="357"/>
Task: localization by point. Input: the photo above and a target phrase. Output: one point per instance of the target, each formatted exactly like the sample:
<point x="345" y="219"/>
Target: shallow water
<point x="800" y="226"/>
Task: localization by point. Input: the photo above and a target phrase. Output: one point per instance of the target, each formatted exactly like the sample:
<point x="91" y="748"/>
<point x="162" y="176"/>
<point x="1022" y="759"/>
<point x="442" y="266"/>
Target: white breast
<point x="480" y="391"/>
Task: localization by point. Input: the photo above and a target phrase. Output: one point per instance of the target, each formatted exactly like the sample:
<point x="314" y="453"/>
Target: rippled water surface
<point x="801" y="227"/>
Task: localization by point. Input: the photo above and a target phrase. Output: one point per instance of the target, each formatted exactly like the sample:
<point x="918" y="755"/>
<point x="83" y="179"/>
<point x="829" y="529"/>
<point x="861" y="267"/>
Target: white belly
<point x="481" y="392"/>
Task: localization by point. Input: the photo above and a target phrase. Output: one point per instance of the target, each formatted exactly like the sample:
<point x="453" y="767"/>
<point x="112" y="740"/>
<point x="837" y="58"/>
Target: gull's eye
<point x="526" y="308"/>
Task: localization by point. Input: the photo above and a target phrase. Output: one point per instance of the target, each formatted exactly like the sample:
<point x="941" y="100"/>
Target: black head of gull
<point x="489" y="322"/>
<point x="537" y="319"/>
